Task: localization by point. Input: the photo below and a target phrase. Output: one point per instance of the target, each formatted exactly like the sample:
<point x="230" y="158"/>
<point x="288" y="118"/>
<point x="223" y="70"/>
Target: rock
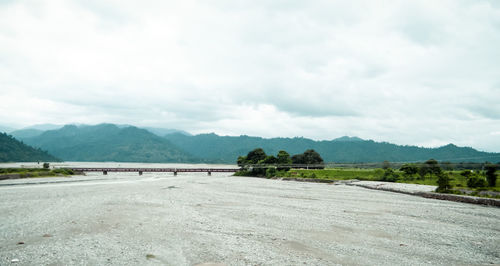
<point x="14" y="260"/>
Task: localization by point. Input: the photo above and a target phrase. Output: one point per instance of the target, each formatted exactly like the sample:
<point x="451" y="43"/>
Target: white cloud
<point x="412" y="72"/>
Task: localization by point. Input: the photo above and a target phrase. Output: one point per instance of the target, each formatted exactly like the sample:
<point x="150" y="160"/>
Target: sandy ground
<point x="195" y="219"/>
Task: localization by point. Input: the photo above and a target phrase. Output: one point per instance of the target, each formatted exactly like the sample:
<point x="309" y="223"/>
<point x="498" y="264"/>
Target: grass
<point x="35" y="172"/>
<point x="338" y="174"/>
<point x="457" y="181"/>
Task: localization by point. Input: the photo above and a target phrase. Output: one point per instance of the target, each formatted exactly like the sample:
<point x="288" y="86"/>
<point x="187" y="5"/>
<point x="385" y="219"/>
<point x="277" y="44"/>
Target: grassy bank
<point x="458" y="181"/>
<point x="6" y="173"/>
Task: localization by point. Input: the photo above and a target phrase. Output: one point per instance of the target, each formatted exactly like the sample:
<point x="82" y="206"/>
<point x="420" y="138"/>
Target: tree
<point x="409" y="169"/>
<point x="475" y="180"/>
<point x="283" y="158"/>
<point x="491" y="177"/>
<point x="309" y="157"/>
<point x="298" y="159"/>
<point x="443" y="182"/>
<point x="255" y="156"/>
<point x="312" y="157"/>
<point x="386" y="165"/>
<point x="431" y="167"/>
<point x="242" y="160"/>
<point x="269" y="160"/>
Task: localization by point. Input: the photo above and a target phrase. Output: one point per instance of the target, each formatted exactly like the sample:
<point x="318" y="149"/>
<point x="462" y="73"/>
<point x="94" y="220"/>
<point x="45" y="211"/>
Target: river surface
<point x="196" y="219"/>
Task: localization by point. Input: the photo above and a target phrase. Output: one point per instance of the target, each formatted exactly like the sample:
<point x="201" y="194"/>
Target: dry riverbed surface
<point x="190" y="219"/>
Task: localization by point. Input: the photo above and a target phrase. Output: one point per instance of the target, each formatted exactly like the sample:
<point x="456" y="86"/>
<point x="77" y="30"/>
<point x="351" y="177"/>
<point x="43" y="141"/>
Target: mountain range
<point x="109" y="142"/>
<point x="12" y="150"/>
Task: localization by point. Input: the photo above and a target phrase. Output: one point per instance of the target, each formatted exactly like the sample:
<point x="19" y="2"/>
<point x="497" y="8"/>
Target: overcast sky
<point x="421" y="73"/>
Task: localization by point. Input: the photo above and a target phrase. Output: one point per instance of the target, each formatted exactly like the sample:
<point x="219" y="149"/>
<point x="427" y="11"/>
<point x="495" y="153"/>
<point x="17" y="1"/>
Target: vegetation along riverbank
<point x="467" y="179"/>
<point x="15" y="173"/>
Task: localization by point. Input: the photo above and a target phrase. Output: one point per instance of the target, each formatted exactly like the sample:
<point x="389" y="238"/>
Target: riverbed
<point x="193" y="218"/>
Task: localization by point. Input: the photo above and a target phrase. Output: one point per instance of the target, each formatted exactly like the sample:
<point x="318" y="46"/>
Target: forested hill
<point x="12" y="150"/>
<point x="108" y="142"/>
<point x="227" y="148"/>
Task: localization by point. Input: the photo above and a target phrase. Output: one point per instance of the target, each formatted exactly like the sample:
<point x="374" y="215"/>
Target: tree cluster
<point x="258" y="163"/>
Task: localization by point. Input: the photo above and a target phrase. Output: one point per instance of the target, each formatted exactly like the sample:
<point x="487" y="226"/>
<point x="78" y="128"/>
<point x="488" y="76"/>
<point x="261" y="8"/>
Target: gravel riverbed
<point x="191" y="219"/>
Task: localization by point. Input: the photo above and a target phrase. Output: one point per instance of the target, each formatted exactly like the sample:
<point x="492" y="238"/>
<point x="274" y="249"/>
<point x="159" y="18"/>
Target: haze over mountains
<point x="109" y="142"/>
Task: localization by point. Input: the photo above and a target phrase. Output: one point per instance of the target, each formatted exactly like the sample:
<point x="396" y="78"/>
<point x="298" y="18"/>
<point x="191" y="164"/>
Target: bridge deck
<point x="171" y="170"/>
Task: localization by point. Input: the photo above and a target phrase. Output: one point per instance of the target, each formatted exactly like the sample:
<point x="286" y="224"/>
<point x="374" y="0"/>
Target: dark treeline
<point x="258" y="163"/>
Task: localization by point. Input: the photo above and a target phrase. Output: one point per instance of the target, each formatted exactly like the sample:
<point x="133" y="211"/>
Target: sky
<point x="423" y="73"/>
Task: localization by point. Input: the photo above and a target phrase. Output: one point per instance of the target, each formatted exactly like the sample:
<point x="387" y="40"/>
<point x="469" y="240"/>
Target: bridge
<point x="156" y="170"/>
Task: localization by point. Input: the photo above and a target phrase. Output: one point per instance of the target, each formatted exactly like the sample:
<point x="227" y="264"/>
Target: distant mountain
<point x="165" y="131"/>
<point x="12" y="150"/>
<point x="22" y="134"/>
<point x="6" y="129"/>
<point x="345" y="149"/>
<point x="108" y="142"/>
<point x="44" y="127"/>
<point x="348" y="139"/>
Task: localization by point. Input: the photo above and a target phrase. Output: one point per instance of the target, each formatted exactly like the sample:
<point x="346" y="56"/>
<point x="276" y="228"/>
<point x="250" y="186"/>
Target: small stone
<point x="20" y="243"/>
<point x="403" y="245"/>
<point x="47" y="235"/>
<point x="14" y="260"/>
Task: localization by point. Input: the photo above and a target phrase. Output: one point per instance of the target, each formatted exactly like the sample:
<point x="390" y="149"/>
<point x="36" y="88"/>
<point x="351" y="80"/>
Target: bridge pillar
<point x="140" y="172"/>
<point x="175" y="173"/>
<point x="104" y="172"/>
<point x="209" y="173"/>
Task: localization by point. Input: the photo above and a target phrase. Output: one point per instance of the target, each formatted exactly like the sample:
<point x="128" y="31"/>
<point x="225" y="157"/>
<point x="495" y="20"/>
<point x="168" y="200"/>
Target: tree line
<point x="258" y="163"/>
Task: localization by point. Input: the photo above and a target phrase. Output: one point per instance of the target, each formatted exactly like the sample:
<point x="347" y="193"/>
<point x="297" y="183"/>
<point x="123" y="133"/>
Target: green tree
<point x="309" y="157"/>
<point x="431" y="167"/>
<point x="386" y="165"/>
<point x="242" y="160"/>
<point x="255" y="156"/>
<point x="443" y="182"/>
<point x="491" y="176"/>
<point x="475" y="180"/>
<point x="269" y="160"/>
<point x="283" y="158"/>
<point x="409" y="169"/>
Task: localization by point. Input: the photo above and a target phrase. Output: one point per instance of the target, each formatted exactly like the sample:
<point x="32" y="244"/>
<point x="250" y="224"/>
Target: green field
<point x="457" y="180"/>
<point x="34" y="172"/>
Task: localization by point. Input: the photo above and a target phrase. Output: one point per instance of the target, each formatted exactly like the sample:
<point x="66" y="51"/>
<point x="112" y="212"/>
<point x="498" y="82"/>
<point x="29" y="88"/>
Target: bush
<point x="490" y="174"/>
<point x="443" y="182"/>
<point x="390" y="175"/>
<point x="271" y="172"/>
<point x="46" y="165"/>
<point x="474" y="181"/>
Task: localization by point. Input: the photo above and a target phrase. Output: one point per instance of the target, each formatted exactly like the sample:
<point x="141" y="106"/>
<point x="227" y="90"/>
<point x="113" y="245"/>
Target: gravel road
<point x="195" y="219"/>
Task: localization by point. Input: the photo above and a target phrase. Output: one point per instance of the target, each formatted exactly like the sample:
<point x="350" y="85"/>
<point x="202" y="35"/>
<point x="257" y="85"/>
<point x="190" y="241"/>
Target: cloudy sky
<point x="422" y="73"/>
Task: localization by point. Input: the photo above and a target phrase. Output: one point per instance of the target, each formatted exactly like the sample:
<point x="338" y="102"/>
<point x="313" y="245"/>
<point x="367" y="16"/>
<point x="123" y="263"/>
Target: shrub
<point x="490" y="174"/>
<point x="271" y="172"/>
<point x="390" y="175"/>
<point x="443" y="182"/>
<point x="46" y="165"/>
<point x="474" y="181"/>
